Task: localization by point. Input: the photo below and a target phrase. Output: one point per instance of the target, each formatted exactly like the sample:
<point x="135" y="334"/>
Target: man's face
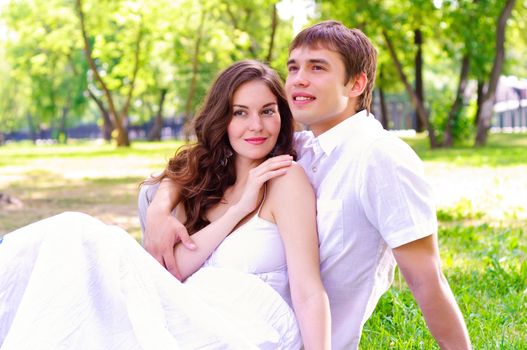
<point x="315" y="88"/>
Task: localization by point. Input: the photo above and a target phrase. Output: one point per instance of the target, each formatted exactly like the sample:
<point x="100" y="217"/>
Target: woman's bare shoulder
<point x="293" y="180"/>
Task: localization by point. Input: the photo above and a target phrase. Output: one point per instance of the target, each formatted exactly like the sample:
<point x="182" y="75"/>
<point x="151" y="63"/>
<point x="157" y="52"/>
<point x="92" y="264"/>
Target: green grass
<point x="98" y="179"/>
<point x="483" y="239"/>
<point x="501" y="150"/>
<point x="487" y="270"/>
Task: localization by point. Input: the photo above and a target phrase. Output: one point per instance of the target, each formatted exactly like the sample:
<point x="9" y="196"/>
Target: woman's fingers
<point x="271" y="168"/>
<point x="272" y="174"/>
<point x="273" y="164"/>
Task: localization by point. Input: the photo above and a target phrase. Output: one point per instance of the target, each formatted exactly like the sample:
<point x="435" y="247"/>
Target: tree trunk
<point x="384" y="110"/>
<point x="62" y="136"/>
<point x="453" y="115"/>
<point x="31" y="126"/>
<point x="482" y="87"/>
<point x="154" y="134"/>
<point x="122" y="132"/>
<point x="107" y="126"/>
<point x="417" y="103"/>
<point x="382" y="100"/>
<point x="124" y="111"/>
<point x="486" y="110"/>
<point x="63" y="133"/>
<point x="193" y="82"/>
<point x="274" y="24"/>
<point x="419" y="90"/>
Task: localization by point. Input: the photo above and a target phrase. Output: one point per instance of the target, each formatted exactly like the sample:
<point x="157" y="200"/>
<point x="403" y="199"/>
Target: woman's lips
<point x="256" y="140"/>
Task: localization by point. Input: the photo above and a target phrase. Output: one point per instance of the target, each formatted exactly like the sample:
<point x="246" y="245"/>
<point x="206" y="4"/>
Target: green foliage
<point x="515" y="62"/>
<point x="451" y="29"/>
<point x="41" y="61"/>
<point x="47" y="74"/>
<point x="463" y="210"/>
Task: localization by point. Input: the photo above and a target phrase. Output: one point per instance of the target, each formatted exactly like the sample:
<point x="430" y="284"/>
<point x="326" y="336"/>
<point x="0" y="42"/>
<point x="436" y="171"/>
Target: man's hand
<point x="421" y="267"/>
<point x="163" y="230"/>
<point x="161" y="237"/>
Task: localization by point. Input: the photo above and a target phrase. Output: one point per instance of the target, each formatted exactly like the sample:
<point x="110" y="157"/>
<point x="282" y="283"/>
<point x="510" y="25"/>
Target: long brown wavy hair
<point x="204" y="170"/>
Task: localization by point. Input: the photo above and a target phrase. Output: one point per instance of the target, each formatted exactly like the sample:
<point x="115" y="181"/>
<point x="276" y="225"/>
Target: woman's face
<point x="255" y="124"/>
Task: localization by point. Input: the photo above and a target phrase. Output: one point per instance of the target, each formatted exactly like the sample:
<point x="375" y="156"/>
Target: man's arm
<point x="420" y="265"/>
<point x="163" y="231"/>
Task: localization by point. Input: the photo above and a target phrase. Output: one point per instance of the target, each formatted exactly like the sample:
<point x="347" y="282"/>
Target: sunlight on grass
<point x="502" y="150"/>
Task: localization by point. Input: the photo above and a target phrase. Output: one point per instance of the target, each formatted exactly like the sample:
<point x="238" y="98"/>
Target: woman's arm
<point x="293" y="205"/>
<point x="210" y="237"/>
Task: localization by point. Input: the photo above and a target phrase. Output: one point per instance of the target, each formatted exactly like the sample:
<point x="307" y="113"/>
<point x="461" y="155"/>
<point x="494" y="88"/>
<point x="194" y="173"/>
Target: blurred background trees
<point x="122" y="63"/>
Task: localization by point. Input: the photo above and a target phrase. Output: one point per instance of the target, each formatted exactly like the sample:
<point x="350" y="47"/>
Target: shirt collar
<point x="334" y="136"/>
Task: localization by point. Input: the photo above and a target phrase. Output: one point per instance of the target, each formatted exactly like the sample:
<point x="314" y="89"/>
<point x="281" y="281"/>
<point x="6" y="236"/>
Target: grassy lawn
<point x="96" y="179"/>
<point x="482" y="207"/>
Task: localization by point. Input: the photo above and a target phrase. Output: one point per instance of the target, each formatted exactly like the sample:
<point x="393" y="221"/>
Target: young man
<point x="374" y="208"/>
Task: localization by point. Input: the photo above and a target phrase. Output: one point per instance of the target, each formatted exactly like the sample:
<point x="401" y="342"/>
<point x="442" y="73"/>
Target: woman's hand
<point x="271" y="168"/>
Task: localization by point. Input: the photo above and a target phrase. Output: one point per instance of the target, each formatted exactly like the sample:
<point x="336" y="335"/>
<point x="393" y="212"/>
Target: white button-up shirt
<point x="371" y="196"/>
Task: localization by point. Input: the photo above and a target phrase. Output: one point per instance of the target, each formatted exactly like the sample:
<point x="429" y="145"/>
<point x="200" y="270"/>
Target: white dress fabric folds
<point x="72" y="282"/>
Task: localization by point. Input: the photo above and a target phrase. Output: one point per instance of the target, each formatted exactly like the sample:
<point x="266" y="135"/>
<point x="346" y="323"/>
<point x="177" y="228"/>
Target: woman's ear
<point x="358" y="84"/>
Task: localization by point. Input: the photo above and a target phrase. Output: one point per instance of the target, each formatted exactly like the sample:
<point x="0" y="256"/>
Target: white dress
<point x="72" y="282"/>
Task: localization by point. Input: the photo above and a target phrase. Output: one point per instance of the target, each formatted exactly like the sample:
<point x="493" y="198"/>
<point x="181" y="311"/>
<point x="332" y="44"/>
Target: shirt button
<point x="314" y="169"/>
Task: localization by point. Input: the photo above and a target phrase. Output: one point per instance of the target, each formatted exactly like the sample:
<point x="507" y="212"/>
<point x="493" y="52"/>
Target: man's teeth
<point x="303" y="98"/>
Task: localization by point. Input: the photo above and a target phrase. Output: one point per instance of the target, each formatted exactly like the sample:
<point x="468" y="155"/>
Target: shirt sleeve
<point x="395" y="196"/>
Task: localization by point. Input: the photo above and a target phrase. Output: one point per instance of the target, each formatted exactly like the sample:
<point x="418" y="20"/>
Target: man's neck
<point x="321" y="128"/>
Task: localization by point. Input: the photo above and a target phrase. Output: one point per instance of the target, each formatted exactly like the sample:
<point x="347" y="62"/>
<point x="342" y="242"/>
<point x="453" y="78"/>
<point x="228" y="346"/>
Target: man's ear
<point x="358" y="84"/>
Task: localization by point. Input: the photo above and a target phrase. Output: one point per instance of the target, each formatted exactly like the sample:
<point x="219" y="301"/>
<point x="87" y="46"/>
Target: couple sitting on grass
<point x="282" y="240"/>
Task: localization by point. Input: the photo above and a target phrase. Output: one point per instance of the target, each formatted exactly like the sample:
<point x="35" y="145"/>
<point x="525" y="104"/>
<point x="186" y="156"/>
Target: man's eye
<point x="292" y="68"/>
<point x="318" y="68"/>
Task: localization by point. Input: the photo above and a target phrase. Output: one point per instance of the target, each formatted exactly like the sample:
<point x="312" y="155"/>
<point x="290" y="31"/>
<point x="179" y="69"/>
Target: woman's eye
<point x="238" y="113"/>
<point x="268" y="112"/>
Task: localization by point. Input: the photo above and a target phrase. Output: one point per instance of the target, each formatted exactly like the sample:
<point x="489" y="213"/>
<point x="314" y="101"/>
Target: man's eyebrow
<point x="318" y="60"/>
<point x="311" y="60"/>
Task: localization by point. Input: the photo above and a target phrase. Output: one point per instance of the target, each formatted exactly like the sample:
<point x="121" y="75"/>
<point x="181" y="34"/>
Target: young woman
<point x="73" y="282"/>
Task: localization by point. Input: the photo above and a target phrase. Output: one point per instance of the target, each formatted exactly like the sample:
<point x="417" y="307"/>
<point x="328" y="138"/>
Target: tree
<point x="118" y="117"/>
<point x="486" y="103"/>
<point x="37" y="52"/>
<point x="422" y="113"/>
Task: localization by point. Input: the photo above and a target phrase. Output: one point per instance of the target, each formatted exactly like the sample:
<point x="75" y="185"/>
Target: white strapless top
<point x="255" y="247"/>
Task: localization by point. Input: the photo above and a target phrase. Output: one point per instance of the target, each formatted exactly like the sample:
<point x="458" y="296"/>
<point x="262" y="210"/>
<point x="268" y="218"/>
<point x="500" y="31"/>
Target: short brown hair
<point x="357" y="52"/>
